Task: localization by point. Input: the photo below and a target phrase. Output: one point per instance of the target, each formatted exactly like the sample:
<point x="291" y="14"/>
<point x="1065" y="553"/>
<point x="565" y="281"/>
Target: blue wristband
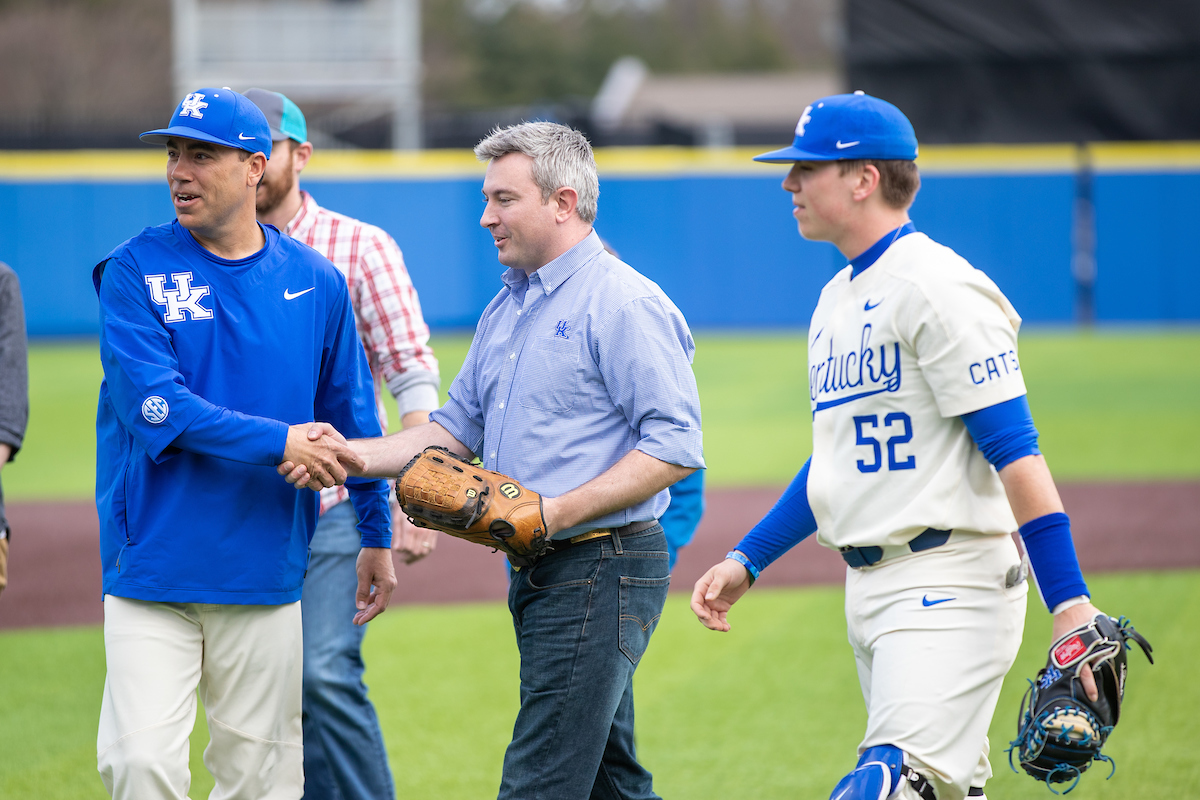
<point x="1052" y="555"/>
<point x="745" y="562"/>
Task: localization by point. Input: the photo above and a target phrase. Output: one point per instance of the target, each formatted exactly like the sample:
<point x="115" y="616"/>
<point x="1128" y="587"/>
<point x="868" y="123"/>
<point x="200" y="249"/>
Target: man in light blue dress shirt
<point x="578" y="384"/>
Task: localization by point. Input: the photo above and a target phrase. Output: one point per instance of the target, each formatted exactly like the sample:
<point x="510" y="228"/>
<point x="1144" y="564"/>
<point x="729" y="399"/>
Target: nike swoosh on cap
<point x="246" y="138"/>
<point x="289" y="296"/>
<point x="925" y="601"/>
<point x="840" y="146"/>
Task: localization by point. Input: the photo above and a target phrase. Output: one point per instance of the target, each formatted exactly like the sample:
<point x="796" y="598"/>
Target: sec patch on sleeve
<point x="155" y="410"/>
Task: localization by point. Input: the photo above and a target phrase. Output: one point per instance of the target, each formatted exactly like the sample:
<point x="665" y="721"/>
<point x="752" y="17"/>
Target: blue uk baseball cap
<point x="220" y="116"/>
<point x="849" y="126"/>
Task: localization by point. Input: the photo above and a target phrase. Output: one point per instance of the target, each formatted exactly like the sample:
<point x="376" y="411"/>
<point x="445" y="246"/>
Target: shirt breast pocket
<point x="550" y="374"/>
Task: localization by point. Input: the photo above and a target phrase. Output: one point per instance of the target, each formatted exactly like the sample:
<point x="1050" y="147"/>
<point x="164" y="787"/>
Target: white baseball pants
<point x="246" y="662"/>
<point x="934" y="633"/>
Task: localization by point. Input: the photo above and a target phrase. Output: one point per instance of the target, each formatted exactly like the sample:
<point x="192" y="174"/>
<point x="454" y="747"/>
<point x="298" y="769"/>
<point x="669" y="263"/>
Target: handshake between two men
<point x="317" y="456"/>
<point x="438" y="489"/>
<point x="437" y="486"/>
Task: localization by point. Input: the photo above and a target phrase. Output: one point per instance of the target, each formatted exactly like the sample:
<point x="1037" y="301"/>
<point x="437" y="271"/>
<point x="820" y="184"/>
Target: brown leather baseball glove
<point x="441" y="490"/>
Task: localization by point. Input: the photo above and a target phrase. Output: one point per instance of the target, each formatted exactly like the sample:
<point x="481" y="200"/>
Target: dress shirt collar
<point x="556" y="273"/>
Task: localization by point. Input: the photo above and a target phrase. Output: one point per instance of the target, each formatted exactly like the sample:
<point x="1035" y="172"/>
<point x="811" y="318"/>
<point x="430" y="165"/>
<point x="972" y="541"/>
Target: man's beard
<point x="273" y="192"/>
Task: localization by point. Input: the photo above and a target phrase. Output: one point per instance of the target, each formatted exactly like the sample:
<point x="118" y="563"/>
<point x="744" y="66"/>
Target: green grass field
<point x="1111" y="405"/>
<point x="769" y="710"/>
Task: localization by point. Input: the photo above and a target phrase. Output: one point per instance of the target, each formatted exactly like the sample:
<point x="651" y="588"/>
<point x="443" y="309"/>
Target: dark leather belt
<point x="859" y="557"/>
<point x="558" y="545"/>
<point x="625" y="530"/>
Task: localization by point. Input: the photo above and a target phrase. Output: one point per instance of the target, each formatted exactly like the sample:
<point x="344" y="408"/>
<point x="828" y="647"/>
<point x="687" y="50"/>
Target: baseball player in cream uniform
<point x="924" y="460"/>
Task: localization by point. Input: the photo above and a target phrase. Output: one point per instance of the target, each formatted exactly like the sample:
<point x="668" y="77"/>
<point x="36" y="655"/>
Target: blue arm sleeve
<point x="223" y="433"/>
<point x="789" y="522"/>
<point x="370" y="497"/>
<point x="1003" y="432"/>
<point x="1052" y="554"/>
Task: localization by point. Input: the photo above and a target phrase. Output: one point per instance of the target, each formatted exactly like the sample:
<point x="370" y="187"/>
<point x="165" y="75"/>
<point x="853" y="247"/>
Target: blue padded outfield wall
<point x="711" y="227"/>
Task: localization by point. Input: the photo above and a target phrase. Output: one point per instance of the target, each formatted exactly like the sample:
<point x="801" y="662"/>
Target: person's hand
<point x="317" y="456"/>
<point x="413" y="542"/>
<point x="376" y="582"/>
<point x="717" y="591"/>
<point x="1066" y="621"/>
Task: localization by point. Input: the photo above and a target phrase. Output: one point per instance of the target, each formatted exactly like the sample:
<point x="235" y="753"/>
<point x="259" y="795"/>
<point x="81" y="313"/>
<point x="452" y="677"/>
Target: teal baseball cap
<point x="285" y="117"/>
<point x="846" y="127"/>
<point x="220" y="116"/>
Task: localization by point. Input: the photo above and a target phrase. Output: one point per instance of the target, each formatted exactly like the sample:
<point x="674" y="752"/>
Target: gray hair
<point x="561" y="157"/>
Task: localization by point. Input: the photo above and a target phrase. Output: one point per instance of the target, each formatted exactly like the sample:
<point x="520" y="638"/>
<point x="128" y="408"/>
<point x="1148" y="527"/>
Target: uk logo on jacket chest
<point x="182" y="300"/>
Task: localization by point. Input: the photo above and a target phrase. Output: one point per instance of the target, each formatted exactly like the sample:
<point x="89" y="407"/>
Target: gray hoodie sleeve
<point x="14" y="370"/>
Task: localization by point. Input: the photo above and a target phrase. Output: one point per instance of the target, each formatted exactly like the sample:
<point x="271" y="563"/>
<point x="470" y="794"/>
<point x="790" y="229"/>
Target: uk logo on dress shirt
<point x="183" y="298"/>
<point x="563" y="328"/>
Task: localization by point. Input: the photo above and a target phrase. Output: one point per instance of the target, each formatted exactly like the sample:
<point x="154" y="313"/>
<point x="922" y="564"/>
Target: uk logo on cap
<point x="192" y="105"/>
<point x="218" y="116"/>
<point x="849" y="126"/>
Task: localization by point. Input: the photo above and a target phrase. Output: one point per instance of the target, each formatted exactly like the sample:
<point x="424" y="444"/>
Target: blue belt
<point x="859" y="557"/>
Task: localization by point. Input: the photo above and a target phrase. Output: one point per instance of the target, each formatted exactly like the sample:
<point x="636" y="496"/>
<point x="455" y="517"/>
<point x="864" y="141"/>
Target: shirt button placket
<point x="509" y="374"/>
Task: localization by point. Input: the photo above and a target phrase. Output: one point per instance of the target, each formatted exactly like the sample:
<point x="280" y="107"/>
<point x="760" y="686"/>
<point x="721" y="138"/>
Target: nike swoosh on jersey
<point x="244" y="137"/>
<point x="289" y="296"/>
<point x="867" y="306"/>
<point x="925" y="601"/>
<point x="842" y="146"/>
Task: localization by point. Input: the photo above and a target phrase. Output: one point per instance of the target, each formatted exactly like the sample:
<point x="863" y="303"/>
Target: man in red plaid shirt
<point x="344" y="754"/>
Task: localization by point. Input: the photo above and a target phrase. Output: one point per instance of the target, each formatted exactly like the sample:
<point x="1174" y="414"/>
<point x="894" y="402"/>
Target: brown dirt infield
<point x="54" y="561"/>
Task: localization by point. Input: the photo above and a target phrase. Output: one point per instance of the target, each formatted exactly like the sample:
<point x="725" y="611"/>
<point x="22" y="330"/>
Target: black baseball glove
<point x="1059" y="730"/>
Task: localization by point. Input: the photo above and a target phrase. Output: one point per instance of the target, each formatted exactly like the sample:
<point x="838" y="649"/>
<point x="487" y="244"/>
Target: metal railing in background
<point x="345" y="63"/>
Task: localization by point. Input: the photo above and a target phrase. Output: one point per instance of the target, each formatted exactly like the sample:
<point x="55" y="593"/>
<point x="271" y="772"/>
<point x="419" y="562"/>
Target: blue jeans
<point x="583" y="617"/>
<point x="344" y="754"/>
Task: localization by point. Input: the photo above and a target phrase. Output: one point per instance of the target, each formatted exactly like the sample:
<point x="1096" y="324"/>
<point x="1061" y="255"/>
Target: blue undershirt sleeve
<point x="1003" y="432"/>
<point x="788" y="523"/>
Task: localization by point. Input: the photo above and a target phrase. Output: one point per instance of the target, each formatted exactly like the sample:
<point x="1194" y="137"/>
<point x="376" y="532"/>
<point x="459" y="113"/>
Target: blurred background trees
<point x="93" y="73"/>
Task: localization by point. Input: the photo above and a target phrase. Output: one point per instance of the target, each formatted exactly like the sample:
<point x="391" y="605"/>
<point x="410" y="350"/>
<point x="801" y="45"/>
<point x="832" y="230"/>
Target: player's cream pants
<point x="246" y="662"/>
<point x="931" y="668"/>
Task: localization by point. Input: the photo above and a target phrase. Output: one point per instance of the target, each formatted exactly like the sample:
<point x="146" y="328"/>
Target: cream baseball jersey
<point x="895" y="356"/>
